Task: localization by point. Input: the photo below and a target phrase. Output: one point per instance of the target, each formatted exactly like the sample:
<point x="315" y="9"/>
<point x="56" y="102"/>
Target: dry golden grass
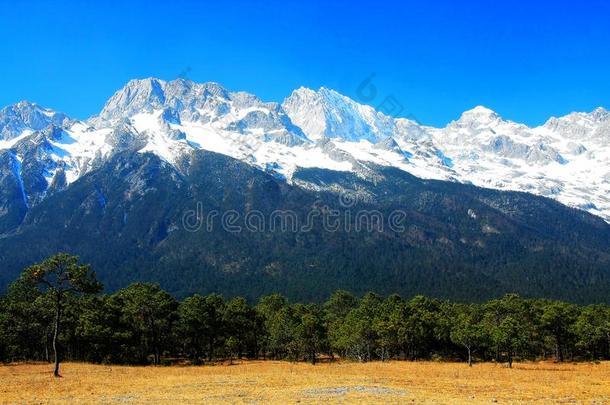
<point x="283" y="382"/>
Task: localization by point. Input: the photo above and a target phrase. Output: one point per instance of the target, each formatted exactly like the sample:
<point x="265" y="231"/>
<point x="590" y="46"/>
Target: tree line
<point x="55" y="312"/>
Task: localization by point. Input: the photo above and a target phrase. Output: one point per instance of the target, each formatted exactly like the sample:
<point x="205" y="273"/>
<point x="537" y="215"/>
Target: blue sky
<point x="526" y="60"/>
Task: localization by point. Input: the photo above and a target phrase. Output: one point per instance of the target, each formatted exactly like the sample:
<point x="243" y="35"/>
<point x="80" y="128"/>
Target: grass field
<point x="284" y="382"/>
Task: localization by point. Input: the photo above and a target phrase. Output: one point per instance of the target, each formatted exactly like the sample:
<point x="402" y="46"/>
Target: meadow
<point x="285" y="382"/>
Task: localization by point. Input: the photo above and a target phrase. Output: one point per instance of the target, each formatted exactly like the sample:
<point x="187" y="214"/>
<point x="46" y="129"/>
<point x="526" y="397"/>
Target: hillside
<point x="450" y="240"/>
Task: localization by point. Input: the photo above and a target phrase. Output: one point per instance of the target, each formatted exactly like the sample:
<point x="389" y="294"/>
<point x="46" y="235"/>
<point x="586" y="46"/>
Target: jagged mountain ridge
<point x="567" y="158"/>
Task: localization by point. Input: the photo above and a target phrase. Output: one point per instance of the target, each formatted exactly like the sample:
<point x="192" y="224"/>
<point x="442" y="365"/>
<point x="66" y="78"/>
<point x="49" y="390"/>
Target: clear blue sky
<point x="526" y="60"/>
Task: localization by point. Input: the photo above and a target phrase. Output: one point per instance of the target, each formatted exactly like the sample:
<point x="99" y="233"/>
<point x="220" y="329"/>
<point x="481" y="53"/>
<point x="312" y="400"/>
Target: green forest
<point x="56" y="311"/>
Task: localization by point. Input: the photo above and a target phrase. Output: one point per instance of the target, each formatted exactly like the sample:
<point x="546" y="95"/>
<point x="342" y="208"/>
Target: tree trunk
<point x="56" y="334"/>
<point x="469" y="357"/>
<point x="510" y="359"/>
<point x="157" y="353"/>
<point x="155" y="342"/>
<point x="47" y="357"/>
<point x="558" y="352"/>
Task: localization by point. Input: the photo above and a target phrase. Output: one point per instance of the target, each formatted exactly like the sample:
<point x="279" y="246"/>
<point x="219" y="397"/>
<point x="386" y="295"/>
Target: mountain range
<point x="491" y="205"/>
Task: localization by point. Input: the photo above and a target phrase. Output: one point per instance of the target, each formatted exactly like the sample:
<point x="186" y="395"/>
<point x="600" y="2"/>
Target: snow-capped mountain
<point x="23" y="118"/>
<point x="567" y="158"/>
<point x="327" y="114"/>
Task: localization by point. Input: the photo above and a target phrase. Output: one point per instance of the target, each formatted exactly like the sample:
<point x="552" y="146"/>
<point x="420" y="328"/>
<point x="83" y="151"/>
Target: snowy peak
<point x="26" y="116"/>
<point x="148" y="95"/>
<point x="307" y="109"/>
<point x="135" y="96"/>
<point x="600" y="114"/>
<point x="477" y="117"/>
<point x="186" y="101"/>
<point x="593" y="127"/>
<point x="328" y="114"/>
<point x="480" y="110"/>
